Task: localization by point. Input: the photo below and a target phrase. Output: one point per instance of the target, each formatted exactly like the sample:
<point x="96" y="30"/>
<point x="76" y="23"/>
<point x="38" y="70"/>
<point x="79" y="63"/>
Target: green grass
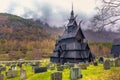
<point x="91" y="73"/>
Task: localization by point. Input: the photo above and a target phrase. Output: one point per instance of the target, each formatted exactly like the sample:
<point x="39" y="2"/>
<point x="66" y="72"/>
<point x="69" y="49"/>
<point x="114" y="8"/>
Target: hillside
<point x="23" y="38"/>
<point x="13" y="27"/>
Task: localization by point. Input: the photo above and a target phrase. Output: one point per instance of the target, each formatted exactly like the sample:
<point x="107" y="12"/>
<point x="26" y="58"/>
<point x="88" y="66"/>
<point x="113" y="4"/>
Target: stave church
<point x="71" y="46"/>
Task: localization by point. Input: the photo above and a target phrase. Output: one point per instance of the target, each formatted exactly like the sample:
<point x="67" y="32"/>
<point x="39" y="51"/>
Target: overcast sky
<point x="55" y="12"/>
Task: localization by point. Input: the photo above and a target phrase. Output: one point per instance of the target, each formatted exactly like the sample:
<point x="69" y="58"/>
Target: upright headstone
<point x="1" y="65"/>
<point x="70" y="65"/>
<point x="1" y="77"/>
<point x="40" y="69"/>
<point x="2" y="69"/>
<point x="107" y="64"/>
<point x="75" y="73"/>
<point x="117" y="62"/>
<point x="60" y="68"/>
<point x="13" y="67"/>
<point x="11" y="74"/>
<point x="22" y="74"/>
<point x="37" y="64"/>
<point x="8" y="64"/>
<point x="19" y="65"/>
<point x="83" y="66"/>
<point x="49" y="65"/>
<point x="33" y="68"/>
<point x="95" y="63"/>
<point x="56" y="76"/>
<point x="112" y="63"/>
<point x="101" y="59"/>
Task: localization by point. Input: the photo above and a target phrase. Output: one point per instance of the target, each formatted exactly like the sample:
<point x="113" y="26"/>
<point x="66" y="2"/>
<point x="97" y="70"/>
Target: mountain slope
<point x="13" y="27"/>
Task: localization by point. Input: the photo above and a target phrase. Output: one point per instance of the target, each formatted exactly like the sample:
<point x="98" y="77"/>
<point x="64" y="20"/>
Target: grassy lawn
<point x="91" y="73"/>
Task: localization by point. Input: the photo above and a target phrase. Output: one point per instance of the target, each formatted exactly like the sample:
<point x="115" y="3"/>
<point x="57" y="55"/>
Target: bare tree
<point x="108" y="14"/>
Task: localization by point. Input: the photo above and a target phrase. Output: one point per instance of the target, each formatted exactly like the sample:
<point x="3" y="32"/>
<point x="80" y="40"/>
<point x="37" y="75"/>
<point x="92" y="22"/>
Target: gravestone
<point x="2" y="69"/>
<point x="65" y="66"/>
<point x="11" y="74"/>
<point x="8" y="64"/>
<point x="19" y="65"/>
<point x="22" y="74"/>
<point x="107" y="64"/>
<point x="59" y="68"/>
<point x="1" y="77"/>
<point x="70" y="65"/>
<point x="30" y="63"/>
<point x="101" y="59"/>
<point x="49" y="65"/>
<point x="117" y="62"/>
<point x="40" y="69"/>
<point x="1" y="65"/>
<point x="75" y="73"/>
<point x="112" y="63"/>
<point x="13" y="67"/>
<point x="95" y="63"/>
<point x="37" y="64"/>
<point x="56" y="76"/>
<point x="33" y="68"/>
<point x="51" y="68"/>
<point x="83" y="66"/>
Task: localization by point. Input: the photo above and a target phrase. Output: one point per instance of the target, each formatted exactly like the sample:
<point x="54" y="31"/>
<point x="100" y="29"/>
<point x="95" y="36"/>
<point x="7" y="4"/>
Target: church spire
<point x="72" y="21"/>
<point x="72" y="13"/>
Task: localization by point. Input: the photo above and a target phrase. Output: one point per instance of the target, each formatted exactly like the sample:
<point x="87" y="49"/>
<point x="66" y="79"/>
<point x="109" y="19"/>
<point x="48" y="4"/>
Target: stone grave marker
<point x="106" y="64"/>
<point x="95" y="63"/>
<point x="117" y="62"/>
<point x="56" y="75"/>
<point x="33" y="68"/>
<point x="13" y="67"/>
<point x="83" y="66"/>
<point x="70" y="65"/>
<point x="58" y="64"/>
<point x="19" y="65"/>
<point x="49" y="65"/>
<point x="2" y="68"/>
<point x="37" y="64"/>
<point x="75" y="73"/>
<point x="1" y="77"/>
<point x="60" y="68"/>
<point x="11" y="74"/>
<point x="112" y="63"/>
<point x="1" y="65"/>
<point x="40" y="69"/>
<point x="8" y="64"/>
<point x="101" y="59"/>
<point x="51" y="68"/>
<point x="66" y="66"/>
<point x="23" y="74"/>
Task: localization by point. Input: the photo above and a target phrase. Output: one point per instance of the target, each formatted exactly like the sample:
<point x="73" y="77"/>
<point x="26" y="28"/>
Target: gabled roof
<point x="72" y="34"/>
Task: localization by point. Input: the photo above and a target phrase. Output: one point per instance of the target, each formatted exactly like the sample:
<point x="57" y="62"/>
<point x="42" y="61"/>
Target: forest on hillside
<point x="13" y="50"/>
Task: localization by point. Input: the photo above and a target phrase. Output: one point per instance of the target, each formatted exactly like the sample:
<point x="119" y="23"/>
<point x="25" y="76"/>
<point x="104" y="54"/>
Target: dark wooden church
<point x="71" y="46"/>
<point x="115" y="51"/>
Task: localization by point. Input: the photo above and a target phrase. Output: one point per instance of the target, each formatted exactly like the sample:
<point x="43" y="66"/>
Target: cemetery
<point x="43" y="71"/>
